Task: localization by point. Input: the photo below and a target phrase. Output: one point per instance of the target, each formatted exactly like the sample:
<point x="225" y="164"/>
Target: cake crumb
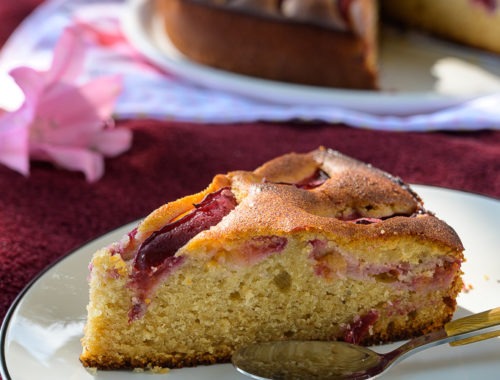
<point x="92" y="370"/>
<point x="467" y="288"/>
<point x="486" y="277"/>
<point x="160" y="370"/>
<point x="154" y="370"/>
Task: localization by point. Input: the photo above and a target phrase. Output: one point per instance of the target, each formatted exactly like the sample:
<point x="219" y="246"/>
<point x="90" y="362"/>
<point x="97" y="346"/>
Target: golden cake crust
<point x="352" y="189"/>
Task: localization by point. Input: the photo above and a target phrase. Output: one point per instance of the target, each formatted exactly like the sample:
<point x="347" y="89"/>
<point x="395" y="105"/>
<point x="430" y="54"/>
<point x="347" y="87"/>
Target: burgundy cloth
<point x="52" y="212"/>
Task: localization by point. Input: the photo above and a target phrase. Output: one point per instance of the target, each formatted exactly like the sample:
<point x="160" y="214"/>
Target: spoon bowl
<point x="305" y="360"/>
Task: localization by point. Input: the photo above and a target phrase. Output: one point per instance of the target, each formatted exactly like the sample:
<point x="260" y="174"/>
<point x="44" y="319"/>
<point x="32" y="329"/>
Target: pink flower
<point x="61" y="120"/>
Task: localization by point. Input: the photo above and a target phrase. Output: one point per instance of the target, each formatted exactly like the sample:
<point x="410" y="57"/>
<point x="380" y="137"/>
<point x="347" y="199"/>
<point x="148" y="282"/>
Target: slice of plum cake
<point x="308" y="246"/>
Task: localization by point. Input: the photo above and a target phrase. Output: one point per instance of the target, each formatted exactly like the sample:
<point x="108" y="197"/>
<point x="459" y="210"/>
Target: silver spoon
<point x="297" y="360"/>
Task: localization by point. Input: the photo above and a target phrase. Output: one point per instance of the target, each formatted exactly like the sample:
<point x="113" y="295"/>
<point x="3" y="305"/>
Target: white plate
<point x="40" y="337"/>
<point x="409" y="63"/>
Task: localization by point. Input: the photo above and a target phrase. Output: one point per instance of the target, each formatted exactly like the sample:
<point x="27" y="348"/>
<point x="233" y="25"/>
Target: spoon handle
<point x="473" y="322"/>
<point x="457" y="333"/>
<point x="476" y="338"/>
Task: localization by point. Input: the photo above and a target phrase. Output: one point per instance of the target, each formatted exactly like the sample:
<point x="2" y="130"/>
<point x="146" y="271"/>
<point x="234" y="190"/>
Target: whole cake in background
<point x="314" y="42"/>
<point x="331" y="43"/>
<point x="313" y="246"/>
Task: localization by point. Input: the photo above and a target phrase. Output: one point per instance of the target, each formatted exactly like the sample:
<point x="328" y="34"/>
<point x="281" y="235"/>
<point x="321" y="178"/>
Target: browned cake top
<point x="325" y="191"/>
<point x="322" y="191"/>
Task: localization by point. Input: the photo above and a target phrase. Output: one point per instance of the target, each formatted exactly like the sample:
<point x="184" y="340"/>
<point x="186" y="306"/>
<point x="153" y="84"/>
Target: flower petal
<point x="14" y="136"/>
<point x="68" y="58"/>
<point x="84" y="160"/>
<point x="102" y="94"/>
<point x="74" y="116"/>
<point x="30" y="81"/>
<point x="68" y="103"/>
<point x="112" y="142"/>
<point x="67" y="118"/>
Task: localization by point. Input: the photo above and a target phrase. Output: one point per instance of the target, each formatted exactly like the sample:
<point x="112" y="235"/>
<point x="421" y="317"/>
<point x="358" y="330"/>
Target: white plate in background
<point x="408" y="63"/>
